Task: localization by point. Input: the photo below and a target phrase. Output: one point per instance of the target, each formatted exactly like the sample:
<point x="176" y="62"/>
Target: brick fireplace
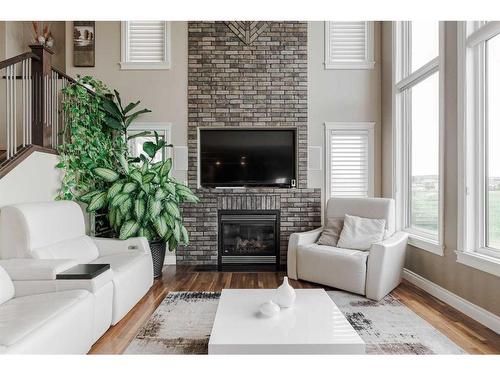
<point x="239" y="85"/>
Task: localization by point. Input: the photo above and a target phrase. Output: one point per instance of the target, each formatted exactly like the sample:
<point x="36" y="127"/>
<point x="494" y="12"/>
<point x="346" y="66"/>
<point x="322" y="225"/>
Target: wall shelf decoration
<point x="247" y="31"/>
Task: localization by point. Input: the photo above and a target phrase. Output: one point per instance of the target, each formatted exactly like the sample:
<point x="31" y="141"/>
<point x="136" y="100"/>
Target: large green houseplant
<point x="142" y="199"/>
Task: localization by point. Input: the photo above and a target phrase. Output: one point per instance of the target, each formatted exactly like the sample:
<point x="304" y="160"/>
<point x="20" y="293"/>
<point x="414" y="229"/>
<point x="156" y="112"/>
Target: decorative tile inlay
<point x="247" y="31"/>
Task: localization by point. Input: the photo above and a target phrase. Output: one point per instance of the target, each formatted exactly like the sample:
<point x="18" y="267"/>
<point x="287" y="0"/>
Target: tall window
<point x="418" y="129"/>
<point x="145" y="45"/>
<point x="350" y="159"/>
<point x="479" y="167"/>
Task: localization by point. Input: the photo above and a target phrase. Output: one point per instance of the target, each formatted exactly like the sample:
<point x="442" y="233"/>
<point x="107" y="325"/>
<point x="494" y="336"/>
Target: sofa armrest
<point x="295" y="240"/>
<point x="22" y="269"/>
<point x="110" y="246"/>
<point x="385" y="265"/>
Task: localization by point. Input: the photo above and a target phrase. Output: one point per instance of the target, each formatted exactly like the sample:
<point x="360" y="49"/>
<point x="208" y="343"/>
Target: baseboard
<point x="169" y="259"/>
<point x="473" y="311"/>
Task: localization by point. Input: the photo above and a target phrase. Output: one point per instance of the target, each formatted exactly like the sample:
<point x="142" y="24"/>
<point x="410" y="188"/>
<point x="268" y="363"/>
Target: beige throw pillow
<point x="330" y="235"/>
<point x="359" y="233"/>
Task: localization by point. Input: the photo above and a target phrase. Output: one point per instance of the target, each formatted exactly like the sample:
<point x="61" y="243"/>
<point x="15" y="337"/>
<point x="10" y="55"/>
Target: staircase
<point x="31" y="116"/>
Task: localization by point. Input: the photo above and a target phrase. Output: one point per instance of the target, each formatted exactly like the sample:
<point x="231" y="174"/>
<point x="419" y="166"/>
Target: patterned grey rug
<point x="183" y="322"/>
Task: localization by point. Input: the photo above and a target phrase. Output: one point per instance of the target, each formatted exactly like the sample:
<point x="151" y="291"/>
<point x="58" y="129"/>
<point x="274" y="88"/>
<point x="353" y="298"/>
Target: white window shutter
<point x="349" y="45"/>
<point x="145" y="45"/>
<point x="350" y="159"/>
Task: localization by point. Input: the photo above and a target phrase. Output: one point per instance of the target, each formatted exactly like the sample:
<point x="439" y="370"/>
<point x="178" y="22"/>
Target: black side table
<point x="83" y="271"/>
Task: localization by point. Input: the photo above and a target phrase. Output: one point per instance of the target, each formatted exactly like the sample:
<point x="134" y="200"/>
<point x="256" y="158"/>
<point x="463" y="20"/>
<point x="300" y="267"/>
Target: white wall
<point x="341" y="95"/>
<point x="35" y="179"/>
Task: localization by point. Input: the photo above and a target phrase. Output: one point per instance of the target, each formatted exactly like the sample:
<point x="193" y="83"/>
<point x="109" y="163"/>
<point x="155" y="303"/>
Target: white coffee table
<point x="314" y="325"/>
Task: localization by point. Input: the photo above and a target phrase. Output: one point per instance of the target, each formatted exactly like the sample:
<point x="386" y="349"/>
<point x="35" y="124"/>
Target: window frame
<point x="368" y="63"/>
<point x="404" y="79"/>
<point x="472" y="251"/>
<point x="125" y="64"/>
<point x="350" y="126"/>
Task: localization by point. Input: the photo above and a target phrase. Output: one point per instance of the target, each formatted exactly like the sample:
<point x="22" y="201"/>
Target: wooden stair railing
<point x="33" y="115"/>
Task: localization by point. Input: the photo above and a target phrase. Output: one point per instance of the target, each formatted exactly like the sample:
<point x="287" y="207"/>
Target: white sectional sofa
<point x="49" y="323"/>
<point x="40" y="240"/>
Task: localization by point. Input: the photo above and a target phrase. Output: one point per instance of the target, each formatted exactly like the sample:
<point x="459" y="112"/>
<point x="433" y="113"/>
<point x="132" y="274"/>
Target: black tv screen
<point x="233" y="157"/>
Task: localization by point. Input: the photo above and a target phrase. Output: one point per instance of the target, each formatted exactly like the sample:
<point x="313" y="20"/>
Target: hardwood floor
<point x="465" y="332"/>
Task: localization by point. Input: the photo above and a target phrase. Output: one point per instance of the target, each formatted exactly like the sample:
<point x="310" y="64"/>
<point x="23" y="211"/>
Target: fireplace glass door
<point x="248" y="237"/>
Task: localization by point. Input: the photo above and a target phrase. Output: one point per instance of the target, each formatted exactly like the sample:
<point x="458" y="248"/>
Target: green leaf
<point x="150" y="149"/>
<point x="113" y="123"/>
<point x="112" y="109"/>
<point x="177" y="231"/>
<point x="148" y="177"/>
<point x="60" y="165"/>
<point x="154" y="207"/>
<point x="118" y="220"/>
<point x="136" y="176"/>
<point x="165" y="168"/>
<point x="130" y="107"/>
<point x="87" y="197"/>
<point x="129" y="187"/>
<point x="160" y="194"/>
<point x="170" y="188"/>
<point x="126" y="206"/>
<point x="184" y="235"/>
<point x="106" y="174"/>
<point x="118" y="99"/>
<point x="115" y="189"/>
<point x="160" y="226"/>
<point x="139" y="209"/>
<point x="140" y="134"/>
<point x="172" y="209"/>
<point x="97" y="202"/>
<point x="112" y="217"/>
<point x="119" y="199"/>
<point x="133" y="116"/>
<point x="170" y="220"/>
<point x="123" y="163"/>
<point x="128" y="229"/>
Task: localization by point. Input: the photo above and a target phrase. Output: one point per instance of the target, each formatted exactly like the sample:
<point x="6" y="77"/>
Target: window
<point x="145" y="45"/>
<point x="135" y="143"/>
<point x="419" y="133"/>
<point x="479" y="167"/>
<point x="349" y="45"/>
<point x="350" y="159"/>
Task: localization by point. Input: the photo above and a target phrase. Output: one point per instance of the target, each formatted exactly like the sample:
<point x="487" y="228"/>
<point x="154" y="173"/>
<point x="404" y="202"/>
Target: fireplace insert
<point x="248" y="237"/>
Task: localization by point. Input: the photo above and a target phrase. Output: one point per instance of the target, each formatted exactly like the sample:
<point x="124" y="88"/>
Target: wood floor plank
<point x="464" y="331"/>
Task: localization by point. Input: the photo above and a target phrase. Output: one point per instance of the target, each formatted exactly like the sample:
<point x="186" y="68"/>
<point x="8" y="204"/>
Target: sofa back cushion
<point x="6" y="286"/>
<point x="30" y="226"/>
<point x="372" y="208"/>
<point x="81" y="249"/>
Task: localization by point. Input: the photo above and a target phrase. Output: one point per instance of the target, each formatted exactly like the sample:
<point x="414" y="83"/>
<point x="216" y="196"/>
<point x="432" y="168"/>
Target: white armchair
<point x="56" y="230"/>
<point x="373" y="273"/>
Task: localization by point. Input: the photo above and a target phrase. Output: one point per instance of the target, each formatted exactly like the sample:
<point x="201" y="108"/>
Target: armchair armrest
<point x="22" y="269"/>
<point x="110" y="246"/>
<point x="295" y="240"/>
<point x="385" y="265"/>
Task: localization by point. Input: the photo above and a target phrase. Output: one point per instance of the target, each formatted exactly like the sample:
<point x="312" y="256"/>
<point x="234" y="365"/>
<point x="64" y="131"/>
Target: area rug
<point x="183" y="322"/>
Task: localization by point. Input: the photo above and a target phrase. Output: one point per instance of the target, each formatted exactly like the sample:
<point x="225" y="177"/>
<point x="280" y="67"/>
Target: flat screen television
<point x="247" y="157"/>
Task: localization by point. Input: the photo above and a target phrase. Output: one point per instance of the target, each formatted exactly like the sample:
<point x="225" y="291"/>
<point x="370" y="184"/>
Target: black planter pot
<point x="158" y="249"/>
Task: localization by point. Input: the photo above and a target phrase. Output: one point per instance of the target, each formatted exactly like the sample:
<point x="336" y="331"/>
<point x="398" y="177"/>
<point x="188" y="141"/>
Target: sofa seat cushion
<point x="132" y="278"/>
<point x="22" y="316"/>
<point x="81" y="249"/>
<point x="333" y="266"/>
